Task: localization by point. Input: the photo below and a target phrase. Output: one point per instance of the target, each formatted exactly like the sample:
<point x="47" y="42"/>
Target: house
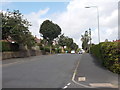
<point x="116" y="40"/>
<point x="37" y="40"/>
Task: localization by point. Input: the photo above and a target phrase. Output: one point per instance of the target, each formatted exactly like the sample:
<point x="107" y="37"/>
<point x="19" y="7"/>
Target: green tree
<point x="16" y="27"/>
<point x="49" y="31"/>
<point x="74" y="46"/>
<point x="69" y="42"/>
<point x="66" y="41"/>
<point x="85" y="39"/>
<point x="62" y="40"/>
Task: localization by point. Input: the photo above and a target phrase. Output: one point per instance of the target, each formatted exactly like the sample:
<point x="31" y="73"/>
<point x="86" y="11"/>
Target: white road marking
<point x="65" y="87"/>
<point x="73" y="78"/>
<point x="68" y="84"/>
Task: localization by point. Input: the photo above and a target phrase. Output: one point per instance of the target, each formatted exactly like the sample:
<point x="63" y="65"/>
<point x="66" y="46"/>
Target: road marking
<point x="102" y="85"/>
<point x="65" y="87"/>
<point x="75" y="71"/>
<point x="68" y="84"/>
<point x="74" y="74"/>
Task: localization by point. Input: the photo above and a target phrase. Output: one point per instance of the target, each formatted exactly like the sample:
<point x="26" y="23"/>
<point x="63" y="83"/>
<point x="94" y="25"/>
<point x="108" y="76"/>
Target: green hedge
<point x="7" y="46"/>
<point x="108" y="53"/>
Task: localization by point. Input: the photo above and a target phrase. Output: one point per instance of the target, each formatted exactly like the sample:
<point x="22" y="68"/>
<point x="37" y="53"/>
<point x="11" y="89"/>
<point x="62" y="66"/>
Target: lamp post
<point x="98" y="20"/>
<point x="90" y="39"/>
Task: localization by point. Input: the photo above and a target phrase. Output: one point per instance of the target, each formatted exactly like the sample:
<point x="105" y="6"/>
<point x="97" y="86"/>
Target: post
<point x="97" y="20"/>
<point x="98" y="25"/>
<point x="90" y="39"/>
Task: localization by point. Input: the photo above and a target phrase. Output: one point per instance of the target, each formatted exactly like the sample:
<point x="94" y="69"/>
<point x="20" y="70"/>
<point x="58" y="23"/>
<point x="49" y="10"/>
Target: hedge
<point x="7" y="46"/>
<point x="108" y="52"/>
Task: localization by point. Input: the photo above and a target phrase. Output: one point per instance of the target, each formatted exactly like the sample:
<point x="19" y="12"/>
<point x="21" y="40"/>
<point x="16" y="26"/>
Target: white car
<point x="80" y="52"/>
<point x="73" y="51"/>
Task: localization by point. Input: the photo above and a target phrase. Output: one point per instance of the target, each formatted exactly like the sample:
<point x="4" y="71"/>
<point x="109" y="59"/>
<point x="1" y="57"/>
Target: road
<point x="51" y="71"/>
<point x="55" y="71"/>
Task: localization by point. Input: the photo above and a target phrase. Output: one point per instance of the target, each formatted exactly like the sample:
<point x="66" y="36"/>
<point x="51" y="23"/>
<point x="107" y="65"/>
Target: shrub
<point x="47" y="49"/>
<point x="14" y="46"/>
<point x="109" y="53"/>
<point x="7" y="46"/>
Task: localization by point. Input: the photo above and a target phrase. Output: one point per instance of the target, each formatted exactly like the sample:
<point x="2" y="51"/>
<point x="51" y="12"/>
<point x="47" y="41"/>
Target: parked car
<point x="73" y="52"/>
<point x="80" y="52"/>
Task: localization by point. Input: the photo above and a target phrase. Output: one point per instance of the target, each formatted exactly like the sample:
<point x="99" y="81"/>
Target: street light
<point x="90" y="38"/>
<point x="98" y="20"/>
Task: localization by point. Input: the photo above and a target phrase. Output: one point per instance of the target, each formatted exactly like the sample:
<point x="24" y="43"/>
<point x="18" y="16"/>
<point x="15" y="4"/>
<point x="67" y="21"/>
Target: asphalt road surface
<point x="46" y="71"/>
<point x="54" y="71"/>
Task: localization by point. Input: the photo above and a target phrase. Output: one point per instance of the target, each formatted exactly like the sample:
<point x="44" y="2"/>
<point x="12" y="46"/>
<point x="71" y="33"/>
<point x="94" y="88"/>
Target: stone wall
<point x="22" y="54"/>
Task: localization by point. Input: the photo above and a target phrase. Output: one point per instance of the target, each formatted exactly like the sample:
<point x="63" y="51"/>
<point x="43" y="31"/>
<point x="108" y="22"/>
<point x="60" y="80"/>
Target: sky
<point x="72" y="16"/>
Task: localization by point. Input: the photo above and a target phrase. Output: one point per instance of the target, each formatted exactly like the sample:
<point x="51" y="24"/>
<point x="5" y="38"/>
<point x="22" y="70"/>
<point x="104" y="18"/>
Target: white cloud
<point x="36" y="20"/>
<point x="76" y="19"/>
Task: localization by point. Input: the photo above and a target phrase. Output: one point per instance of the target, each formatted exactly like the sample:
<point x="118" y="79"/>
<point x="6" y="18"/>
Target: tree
<point x="74" y="46"/>
<point x="85" y="39"/>
<point x="62" y="40"/>
<point x="66" y="41"/>
<point x="49" y="31"/>
<point x="16" y="27"/>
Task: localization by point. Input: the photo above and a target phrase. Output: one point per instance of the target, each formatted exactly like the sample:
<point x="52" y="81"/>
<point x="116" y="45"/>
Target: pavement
<point x="91" y="74"/>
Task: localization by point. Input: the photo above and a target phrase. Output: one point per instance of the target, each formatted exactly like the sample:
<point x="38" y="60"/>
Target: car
<point x="80" y="52"/>
<point x="73" y="52"/>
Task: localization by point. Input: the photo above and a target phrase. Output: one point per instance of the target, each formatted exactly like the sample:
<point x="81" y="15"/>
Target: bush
<point x="14" y="46"/>
<point x="47" y="49"/>
<point x="7" y="46"/>
<point x="109" y="53"/>
<point x="95" y="49"/>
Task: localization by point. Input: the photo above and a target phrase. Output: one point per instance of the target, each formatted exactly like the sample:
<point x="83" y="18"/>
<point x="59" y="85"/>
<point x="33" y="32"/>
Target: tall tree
<point x="62" y="40"/>
<point x="74" y="46"/>
<point x="49" y="31"/>
<point x="85" y="39"/>
<point x="16" y="27"/>
<point x="66" y="41"/>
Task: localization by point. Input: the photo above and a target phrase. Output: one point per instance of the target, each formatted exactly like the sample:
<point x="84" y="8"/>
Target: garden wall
<point x="22" y="54"/>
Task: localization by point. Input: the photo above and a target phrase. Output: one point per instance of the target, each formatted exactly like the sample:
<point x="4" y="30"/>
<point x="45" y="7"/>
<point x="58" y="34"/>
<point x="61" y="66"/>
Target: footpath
<point x="91" y="73"/>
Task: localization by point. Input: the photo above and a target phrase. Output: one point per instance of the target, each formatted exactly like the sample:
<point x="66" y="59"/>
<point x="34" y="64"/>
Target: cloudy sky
<point x="72" y="16"/>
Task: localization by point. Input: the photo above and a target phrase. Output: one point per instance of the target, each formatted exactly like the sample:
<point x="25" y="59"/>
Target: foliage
<point x="68" y="42"/>
<point x="62" y="40"/>
<point x="7" y="46"/>
<point x="74" y="46"/>
<point x="49" y="31"/>
<point x="109" y="53"/>
<point x="85" y="39"/>
<point x="14" y="26"/>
